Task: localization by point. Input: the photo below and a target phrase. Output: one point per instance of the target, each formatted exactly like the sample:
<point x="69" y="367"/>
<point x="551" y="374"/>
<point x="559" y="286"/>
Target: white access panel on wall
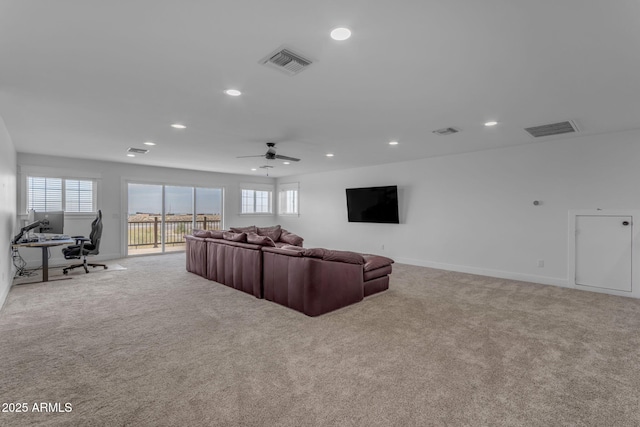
<point x="603" y="252"/>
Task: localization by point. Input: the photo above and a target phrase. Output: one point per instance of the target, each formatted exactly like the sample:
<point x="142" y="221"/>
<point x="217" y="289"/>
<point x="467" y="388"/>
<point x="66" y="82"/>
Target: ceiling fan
<point x="271" y="154"/>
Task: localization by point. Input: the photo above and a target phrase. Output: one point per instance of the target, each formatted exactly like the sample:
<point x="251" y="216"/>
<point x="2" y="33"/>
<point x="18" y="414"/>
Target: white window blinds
<point x="288" y="199"/>
<point x="44" y="194"/>
<point x="78" y="196"/>
<point x="256" y="199"/>
<point x="56" y="194"/>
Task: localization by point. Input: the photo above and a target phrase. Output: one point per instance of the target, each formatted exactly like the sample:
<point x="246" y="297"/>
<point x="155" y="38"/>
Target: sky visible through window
<point x="145" y="198"/>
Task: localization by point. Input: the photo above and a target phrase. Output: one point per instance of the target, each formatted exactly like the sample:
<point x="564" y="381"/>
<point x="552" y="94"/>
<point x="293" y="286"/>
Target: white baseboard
<point x="544" y="280"/>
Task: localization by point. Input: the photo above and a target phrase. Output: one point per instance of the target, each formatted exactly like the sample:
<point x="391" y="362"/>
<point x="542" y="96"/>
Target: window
<point x="256" y="199"/>
<point x="288" y="199"/>
<point x="56" y="194"/>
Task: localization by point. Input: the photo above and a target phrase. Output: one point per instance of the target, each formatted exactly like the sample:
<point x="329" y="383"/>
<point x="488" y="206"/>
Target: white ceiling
<point x="89" y="79"/>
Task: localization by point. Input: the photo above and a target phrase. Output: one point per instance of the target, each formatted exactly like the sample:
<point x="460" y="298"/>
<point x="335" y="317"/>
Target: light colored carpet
<point x="157" y="346"/>
<point x="55" y="273"/>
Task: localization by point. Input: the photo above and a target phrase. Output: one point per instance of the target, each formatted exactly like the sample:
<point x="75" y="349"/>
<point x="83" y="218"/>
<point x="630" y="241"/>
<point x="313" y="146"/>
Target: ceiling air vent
<point x="446" y="131"/>
<point x="552" y="129"/>
<point x="287" y="61"/>
<point x="137" y="150"/>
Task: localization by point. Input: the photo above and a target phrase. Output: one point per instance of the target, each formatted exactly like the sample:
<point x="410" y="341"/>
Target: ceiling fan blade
<point x="291" y="159"/>
<point x="242" y="157"/>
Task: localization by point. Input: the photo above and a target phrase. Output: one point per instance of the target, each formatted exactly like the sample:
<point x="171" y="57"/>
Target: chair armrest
<point x="80" y="241"/>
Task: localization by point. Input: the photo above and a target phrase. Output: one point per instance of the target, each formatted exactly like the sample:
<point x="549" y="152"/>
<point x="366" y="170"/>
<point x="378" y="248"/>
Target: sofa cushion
<point x="372" y="262"/>
<point x="260" y="240"/>
<point x="234" y="237"/>
<point x="291" y="248"/>
<point x="343" y="256"/>
<point x="202" y="233"/>
<point x="290" y="238"/>
<point x="378" y="272"/>
<point x="314" y="252"/>
<point x="216" y="234"/>
<point x="285" y="250"/>
<point x="249" y="229"/>
<point x="271" y="232"/>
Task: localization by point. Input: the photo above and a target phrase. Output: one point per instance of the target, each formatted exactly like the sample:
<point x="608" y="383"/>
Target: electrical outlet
<point x="540" y="263"/>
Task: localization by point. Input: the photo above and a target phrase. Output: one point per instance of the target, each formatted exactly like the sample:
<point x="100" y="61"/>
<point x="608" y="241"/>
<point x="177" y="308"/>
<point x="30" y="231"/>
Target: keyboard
<point x="60" y="237"/>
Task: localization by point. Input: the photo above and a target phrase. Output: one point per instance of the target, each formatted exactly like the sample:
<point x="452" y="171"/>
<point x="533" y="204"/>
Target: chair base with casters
<point x="85" y="265"/>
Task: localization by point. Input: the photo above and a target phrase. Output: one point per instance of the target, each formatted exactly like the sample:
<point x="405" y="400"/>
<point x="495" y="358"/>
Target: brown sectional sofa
<point x="316" y="281"/>
<point x="196" y="251"/>
<point x="235" y="264"/>
<point x="312" y="281"/>
<point x="226" y="256"/>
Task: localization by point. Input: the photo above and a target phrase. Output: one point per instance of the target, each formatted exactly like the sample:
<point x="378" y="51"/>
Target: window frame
<point x="256" y="188"/>
<point x="283" y="189"/>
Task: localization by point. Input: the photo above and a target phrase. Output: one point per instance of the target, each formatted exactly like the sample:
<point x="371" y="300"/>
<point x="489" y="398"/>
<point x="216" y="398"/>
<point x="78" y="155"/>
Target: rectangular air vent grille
<point x="137" y="150"/>
<point x="552" y="129"/>
<point x="446" y="131"/>
<point x="286" y="61"/>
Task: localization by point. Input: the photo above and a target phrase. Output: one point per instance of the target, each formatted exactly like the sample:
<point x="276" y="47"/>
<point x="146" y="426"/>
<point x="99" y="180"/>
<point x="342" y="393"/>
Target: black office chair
<point x="85" y="247"/>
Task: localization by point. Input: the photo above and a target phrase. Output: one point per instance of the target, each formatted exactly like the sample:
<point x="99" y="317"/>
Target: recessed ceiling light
<point x="131" y="155"/>
<point x="393" y="143"/>
<point x="149" y="143"/>
<point x="254" y="169"/>
<point x="340" y="34"/>
<point x="329" y="154"/>
<point x="178" y="126"/>
<point x="491" y="123"/>
<point x="286" y="163"/>
<point x="233" y="92"/>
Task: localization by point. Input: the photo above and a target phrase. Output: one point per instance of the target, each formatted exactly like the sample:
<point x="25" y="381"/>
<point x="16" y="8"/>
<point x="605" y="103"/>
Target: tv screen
<point x="373" y="204"/>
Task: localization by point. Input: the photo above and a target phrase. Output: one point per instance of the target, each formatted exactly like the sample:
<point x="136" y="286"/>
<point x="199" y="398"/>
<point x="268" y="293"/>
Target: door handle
<point x="625" y="223"/>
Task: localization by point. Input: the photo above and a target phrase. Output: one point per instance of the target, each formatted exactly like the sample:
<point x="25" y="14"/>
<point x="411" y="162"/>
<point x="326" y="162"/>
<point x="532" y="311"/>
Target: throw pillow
<point x="290" y="238"/>
<point x="249" y="229"/>
<point x="234" y="237"/>
<point x="273" y="232"/>
<point x="260" y="240"/>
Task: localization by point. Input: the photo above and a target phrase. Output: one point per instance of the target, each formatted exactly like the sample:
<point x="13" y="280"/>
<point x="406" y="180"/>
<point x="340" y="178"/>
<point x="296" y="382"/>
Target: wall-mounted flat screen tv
<point x="373" y="204"/>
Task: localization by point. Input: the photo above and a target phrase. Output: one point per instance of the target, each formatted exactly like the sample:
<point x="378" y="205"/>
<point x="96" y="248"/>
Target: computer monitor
<point x="51" y="222"/>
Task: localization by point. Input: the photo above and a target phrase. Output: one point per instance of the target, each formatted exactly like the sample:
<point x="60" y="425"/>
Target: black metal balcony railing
<point x="148" y="233"/>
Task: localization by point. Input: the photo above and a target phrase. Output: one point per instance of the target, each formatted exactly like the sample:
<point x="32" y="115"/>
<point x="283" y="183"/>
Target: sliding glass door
<point x="178" y="216"/>
<point x="160" y="215"/>
<point x="208" y="209"/>
<point x="144" y="219"/>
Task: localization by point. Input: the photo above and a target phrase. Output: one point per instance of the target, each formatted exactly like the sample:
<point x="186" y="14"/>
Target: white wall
<point x="7" y="209"/>
<point x="474" y="212"/>
<point x="112" y="178"/>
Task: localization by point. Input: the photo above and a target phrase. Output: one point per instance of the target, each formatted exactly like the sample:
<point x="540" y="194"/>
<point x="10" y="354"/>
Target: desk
<point x="45" y="255"/>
